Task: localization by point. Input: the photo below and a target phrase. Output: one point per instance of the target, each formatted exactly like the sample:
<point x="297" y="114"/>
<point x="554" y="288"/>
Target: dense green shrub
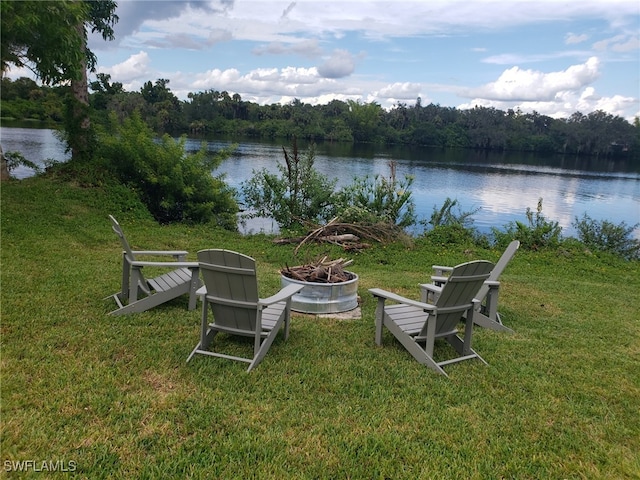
<point x="175" y="185"/>
<point x="608" y="237"/>
<point x="298" y="196"/>
<point x="537" y="233"/>
<point x="377" y="200"/>
<point x="451" y="234"/>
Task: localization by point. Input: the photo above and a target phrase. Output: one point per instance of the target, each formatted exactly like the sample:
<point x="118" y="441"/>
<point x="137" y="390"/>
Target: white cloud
<point x="566" y="104"/>
<point x="340" y="64"/>
<point x="516" y="84"/>
<point x="135" y="67"/>
<point x="572" y="38"/>
<point x="307" y="48"/>
<point x="399" y="91"/>
<point x="619" y="43"/>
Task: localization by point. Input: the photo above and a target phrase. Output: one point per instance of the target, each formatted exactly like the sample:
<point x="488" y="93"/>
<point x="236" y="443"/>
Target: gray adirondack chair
<point x="137" y="293"/>
<point x="487" y="315"/>
<point x="414" y="323"/>
<point x="231" y="292"/>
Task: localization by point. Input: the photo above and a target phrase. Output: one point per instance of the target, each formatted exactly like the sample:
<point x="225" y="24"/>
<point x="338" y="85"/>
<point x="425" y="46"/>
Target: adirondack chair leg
<point x="431" y="334"/>
<point x="413" y="347"/>
<point x="463" y="347"/>
<point x="194" y="285"/>
<point x="206" y="334"/>
<point x="264" y="345"/>
<point x="287" y="319"/>
<point x="126" y="271"/>
<point x="379" y="320"/>
<point x="142" y="305"/>
<point x="135" y="285"/>
<point x="258" y="336"/>
<point x="488" y="316"/>
<point x="468" y="332"/>
<point x="483" y="321"/>
<point x="491" y="308"/>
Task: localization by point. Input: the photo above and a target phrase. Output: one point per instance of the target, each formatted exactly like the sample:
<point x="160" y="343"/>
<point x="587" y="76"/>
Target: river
<point x="501" y="186"/>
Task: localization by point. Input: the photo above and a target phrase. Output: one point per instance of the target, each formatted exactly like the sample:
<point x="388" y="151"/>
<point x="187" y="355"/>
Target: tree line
<point x="220" y="113"/>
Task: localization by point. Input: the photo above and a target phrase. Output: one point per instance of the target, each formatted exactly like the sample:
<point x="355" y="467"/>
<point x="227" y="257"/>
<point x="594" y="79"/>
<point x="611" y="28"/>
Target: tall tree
<point x="50" y="38"/>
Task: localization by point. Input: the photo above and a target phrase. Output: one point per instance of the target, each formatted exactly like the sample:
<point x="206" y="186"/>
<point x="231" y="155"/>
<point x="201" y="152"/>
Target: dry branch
<point x="323" y="271"/>
<point x="347" y="235"/>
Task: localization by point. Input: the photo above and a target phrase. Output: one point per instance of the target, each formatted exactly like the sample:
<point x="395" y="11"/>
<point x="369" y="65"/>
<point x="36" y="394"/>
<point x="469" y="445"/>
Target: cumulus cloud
<point x="265" y="82"/>
<point x="556" y="94"/>
<point x="516" y="84"/>
<point x="399" y="91"/>
<point x="340" y="64"/>
<point x="565" y="104"/>
<point x="135" y="67"/>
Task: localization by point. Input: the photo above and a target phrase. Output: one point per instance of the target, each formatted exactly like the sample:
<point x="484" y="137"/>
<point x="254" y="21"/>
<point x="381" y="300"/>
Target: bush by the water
<point x="608" y="237"/>
<point x="175" y="185"/>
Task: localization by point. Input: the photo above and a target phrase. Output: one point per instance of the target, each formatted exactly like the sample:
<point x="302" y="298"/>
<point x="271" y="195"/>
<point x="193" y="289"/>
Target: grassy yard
<point x="113" y="397"/>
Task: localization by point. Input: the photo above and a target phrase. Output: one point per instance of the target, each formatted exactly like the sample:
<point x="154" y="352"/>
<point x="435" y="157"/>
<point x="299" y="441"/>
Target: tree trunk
<point x="4" y="169"/>
<point x="79" y="134"/>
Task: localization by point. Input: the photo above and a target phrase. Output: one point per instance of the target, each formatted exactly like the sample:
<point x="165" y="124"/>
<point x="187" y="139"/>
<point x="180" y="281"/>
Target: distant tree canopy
<point x="213" y="112"/>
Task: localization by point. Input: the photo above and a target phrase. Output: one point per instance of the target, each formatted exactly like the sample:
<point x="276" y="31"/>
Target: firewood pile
<point x="348" y="235"/>
<point x="322" y="271"/>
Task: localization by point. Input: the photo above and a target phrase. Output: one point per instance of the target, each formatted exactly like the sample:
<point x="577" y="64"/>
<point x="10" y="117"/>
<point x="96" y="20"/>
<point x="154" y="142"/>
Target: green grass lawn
<point x="115" y="396"/>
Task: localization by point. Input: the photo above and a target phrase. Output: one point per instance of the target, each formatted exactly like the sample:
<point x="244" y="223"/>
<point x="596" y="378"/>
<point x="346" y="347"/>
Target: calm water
<point x="501" y="185"/>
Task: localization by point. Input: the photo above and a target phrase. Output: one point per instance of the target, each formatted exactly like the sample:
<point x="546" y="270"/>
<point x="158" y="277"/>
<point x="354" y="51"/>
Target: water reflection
<point x="38" y="145"/>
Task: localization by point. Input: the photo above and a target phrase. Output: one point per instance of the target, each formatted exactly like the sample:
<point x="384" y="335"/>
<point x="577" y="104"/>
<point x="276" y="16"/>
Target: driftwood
<point x="347" y="235"/>
<point x="323" y="271"/>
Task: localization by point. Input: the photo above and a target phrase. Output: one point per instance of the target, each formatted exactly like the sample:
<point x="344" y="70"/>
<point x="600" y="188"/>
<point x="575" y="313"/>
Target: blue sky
<point x="554" y="57"/>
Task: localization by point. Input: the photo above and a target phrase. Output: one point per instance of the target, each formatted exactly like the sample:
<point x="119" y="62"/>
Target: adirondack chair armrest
<point x="440" y="274"/>
<point x="379" y="293"/>
<point x="180" y="255"/>
<point x="426" y="289"/>
<point x="440" y="270"/>
<point x="201" y="292"/>
<point x="492" y="283"/>
<point x="282" y="295"/>
<point x="138" y="263"/>
<point x="431" y="287"/>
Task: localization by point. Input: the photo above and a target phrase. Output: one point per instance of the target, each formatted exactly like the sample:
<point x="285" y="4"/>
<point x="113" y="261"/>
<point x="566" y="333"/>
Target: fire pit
<point x="327" y="287"/>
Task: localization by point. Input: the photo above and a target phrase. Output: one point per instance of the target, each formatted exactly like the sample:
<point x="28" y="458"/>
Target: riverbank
<point x="115" y="396"/>
<point x="499" y="188"/>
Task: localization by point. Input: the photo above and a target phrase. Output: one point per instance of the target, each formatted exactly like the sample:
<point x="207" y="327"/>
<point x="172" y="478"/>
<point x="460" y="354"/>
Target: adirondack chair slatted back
<point x="129" y="257"/>
<point x="499" y="268"/>
<point x="232" y="287"/>
<point x="123" y="240"/>
<point x="459" y="291"/>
